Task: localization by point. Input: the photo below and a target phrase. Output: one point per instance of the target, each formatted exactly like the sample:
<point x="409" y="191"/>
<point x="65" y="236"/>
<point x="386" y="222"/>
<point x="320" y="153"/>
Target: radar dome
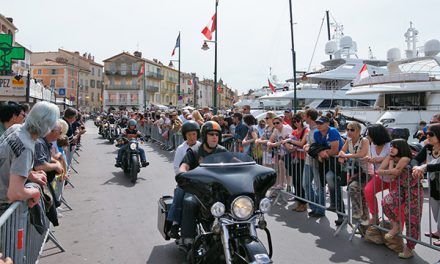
<point x="331" y="47"/>
<point x="393" y="54"/>
<point x="346" y="42"/>
<point x="432" y="47"/>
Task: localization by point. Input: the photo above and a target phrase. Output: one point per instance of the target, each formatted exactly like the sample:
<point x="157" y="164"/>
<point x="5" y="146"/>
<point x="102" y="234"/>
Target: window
<point x="93" y="71"/>
<point x="157" y="98"/>
<point x="133" y="83"/>
<point x="122" y="83"/>
<point x="113" y="68"/>
<point x="39" y="71"/>
<point x="123" y="98"/>
<point x="134" y="98"/>
<point x="112" y="82"/>
<point x="52" y="83"/>
<point x="53" y="71"/>
<point x="73" y="83"/>
<point x="92" y="83"/>
<point x="98" y="84"/>
<point x="112" y="97"/>
<point x="92" y="97"/>
<point x="134" y="68"/>
<point x="87" y="83"/>
<point x="123" y="68"/>
<point x="99" y="73"/>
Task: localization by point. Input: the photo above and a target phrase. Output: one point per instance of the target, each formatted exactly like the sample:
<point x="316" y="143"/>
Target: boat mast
<point x="328" y="29"/>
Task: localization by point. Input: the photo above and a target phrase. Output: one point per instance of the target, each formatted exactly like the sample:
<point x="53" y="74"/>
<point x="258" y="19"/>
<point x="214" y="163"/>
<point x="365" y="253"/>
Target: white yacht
<point x="326" y="89"/>
<point x="410" y="91"/>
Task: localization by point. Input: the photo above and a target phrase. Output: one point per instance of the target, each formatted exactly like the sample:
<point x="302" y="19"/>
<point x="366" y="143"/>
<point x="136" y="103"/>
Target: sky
<point x="253" y="36"/>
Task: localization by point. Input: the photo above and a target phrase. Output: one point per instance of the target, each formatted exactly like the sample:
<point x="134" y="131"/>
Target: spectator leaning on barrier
<point x="17" y="147"/>
<point x="330" y="137"/>
<point x="70" y="117"/>
<point x="431" y="154"/>
<point x="379" y="149"/>
<point x="251" y="135"/>
<point x="311" y="170"/>
<point x="11" y="113"/>
<point x="405" y="191"/>
<point x="355" y="149"/>
<point x="240" y="129"/>
<point x="267" y="159"/>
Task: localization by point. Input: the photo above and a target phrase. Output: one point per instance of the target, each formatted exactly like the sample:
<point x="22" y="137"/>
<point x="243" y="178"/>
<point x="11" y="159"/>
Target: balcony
<point x="172" y="79"/>
<point x="121" y="102"/>
<point x="154" y="75"/>
<point x="152" y="89"/>
<point x="109" y="72"/>
<point x="125" y="88"/>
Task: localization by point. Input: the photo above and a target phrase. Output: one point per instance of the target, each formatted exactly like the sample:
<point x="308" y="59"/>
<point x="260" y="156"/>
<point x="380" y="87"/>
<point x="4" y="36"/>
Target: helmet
<point x="111" y="114"/>
<point x="209" y="126"/>
<point x="124" y="117"/>
<point x="189" y="126"/>
<point x="132" y="122"/>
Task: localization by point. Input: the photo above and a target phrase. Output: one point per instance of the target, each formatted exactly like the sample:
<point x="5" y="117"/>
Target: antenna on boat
<point x="411" y="41"/>
<point x="370" y="54"/>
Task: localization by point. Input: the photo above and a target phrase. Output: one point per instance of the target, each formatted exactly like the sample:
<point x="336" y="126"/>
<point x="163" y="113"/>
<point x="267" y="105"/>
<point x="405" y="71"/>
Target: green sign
<point x="8" y="52"/>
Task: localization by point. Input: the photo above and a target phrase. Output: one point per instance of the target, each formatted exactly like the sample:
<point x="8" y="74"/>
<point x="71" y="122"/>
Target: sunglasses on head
<point x="430" y="134"/>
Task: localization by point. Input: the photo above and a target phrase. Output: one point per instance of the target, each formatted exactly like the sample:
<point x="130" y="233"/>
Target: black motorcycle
<point x="113" y="132"/>
<point x="231" y="189"/>
<point x="131" y="160"/>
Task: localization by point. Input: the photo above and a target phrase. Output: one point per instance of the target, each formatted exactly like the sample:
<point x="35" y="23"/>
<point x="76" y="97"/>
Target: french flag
<point x="177" y="45"/>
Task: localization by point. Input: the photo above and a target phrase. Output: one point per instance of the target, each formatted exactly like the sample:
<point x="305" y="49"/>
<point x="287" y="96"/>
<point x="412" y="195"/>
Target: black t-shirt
<point x="195" y="155"/>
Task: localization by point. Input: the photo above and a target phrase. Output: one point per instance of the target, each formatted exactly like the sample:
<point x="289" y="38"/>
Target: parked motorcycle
<point x="231" y="189"/>
<point x="131" y="160"/>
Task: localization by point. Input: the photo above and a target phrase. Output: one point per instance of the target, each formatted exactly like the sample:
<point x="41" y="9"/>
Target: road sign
<point x="62" y="91"/>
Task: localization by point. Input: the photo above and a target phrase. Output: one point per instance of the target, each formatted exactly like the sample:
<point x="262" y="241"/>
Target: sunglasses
<point x="351" y="129"/>
<point x="276" y="123"/>
<point x="267" y="118"/>
<point x="213" y="134"/>
<point x="430" y="134"/>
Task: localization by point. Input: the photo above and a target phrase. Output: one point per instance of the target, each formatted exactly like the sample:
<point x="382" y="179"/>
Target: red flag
<point x="271" y="86"/>
<point x="142" y="70"/>
<point x="363" y="73"/>
<point x="190" y="82"/>
<point x="219" y="88"/>
<point x="210" y="28"/>
<point x="177" y="45"/>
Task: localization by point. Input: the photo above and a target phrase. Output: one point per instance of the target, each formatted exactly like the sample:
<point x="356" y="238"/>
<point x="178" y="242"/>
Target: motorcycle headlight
<point x="265" y="205"/>
<point x="133" y="146"/>
<point x="242" y="207"/>
<point x="218" y="209"/>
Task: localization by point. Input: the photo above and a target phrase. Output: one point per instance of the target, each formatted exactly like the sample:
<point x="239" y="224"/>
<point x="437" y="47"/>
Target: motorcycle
<point x="231" y="189"/>
<point x="131" y="160"/>
<point x="113" y="132"/>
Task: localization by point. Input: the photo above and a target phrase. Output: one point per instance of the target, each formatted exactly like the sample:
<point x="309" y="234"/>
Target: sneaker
<point x="339" y="221"/>
<point x="118" y="164"/>
<point x="315" y="214"/>
<point x="145" y="163"/>
<point x="174" y="232"/>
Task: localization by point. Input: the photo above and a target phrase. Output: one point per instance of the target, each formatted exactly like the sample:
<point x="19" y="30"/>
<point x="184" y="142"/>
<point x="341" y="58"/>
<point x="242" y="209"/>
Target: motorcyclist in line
<point x="131" y="132"/>
<point x="123" y="122"/>
<point x="211" y="136"/>
<point x="111" y="119"/>
<point x="191" y="132"/>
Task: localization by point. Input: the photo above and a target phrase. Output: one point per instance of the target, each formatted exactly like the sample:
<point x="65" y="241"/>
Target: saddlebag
<point x="164" y="205"/>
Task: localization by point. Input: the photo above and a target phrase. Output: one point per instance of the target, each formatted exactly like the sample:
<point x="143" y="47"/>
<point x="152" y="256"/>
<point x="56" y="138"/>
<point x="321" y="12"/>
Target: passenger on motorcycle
<point x="123" y="122"/>
<point x="191" y="132"/>
<point x="131" y="132"/>
<point x="211" y="136"/>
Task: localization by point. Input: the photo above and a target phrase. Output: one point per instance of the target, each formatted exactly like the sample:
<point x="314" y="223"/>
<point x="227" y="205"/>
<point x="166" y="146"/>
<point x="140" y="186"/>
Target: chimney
<point x="155" y="60"/>
<point x="89" y="56"/>
<point x="137" y="54"/>
<point x="93" y="58"/>
<point x="10" y="19"/>
<point x="76" y="53"/>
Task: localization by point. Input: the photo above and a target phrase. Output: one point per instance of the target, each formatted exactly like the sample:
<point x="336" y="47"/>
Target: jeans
<point x="314" y="192"/>
<point x="335" y="192"/>
<point x="175" y="213"/>
<point x="122" y="149"/>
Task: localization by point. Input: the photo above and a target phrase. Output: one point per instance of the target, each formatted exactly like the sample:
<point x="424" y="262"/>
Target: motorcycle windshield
<point x="224" y="176"/>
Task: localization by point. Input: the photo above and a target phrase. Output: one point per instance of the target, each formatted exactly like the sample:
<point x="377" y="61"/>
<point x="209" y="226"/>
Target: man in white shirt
<point x="190" y="132"/>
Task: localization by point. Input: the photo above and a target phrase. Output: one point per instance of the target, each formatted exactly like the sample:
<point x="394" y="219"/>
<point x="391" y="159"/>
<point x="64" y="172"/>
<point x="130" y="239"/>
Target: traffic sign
<point x="62" y="91"/>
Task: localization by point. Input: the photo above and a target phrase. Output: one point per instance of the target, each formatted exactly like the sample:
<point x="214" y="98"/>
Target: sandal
<point x="433" y="235"/>
<point x="406" y="255"/>
<point x="436" y="243"/>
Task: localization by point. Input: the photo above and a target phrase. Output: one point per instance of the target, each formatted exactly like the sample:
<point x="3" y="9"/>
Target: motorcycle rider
<point x="190" y="132"/>
<point x="131" y="132"/>
<point x="111" y="119"/>
<point x="123" y="122"/>
<point x="211" y="137"/>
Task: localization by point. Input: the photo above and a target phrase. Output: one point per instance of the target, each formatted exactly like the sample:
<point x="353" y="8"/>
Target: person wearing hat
<point x="288" y="117"/>
<point x="330" y="137"/>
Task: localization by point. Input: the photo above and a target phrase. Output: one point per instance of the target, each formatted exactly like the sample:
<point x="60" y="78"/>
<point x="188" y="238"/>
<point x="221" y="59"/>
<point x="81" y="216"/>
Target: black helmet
<point x="209" y="126"/>
<point x="190" y="126"/>
<point x="132" y="122"/>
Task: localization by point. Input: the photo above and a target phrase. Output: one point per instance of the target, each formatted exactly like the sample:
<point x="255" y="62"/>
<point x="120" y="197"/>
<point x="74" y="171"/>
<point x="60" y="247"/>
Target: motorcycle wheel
<point x="134" y="169"/>
<point x="206" y="250"/>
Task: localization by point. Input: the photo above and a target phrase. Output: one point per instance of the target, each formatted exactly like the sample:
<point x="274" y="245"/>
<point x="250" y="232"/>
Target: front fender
<point x="254" y="250"/>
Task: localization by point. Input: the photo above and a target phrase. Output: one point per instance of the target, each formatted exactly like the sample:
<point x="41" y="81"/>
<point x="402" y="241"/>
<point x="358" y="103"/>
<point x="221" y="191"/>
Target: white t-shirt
<point x="385" y="151"/>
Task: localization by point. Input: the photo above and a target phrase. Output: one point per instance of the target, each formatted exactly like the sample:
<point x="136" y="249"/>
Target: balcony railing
<point x="152" y="89"/>
<point x="154" y="75"/>
<point x="122" y="102"/>
<point x="118" y="87"/>
<point x="172" y="79"/>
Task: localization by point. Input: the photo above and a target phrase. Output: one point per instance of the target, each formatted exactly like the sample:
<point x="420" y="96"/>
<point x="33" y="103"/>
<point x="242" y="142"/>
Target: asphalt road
<point x="114" y="221"/>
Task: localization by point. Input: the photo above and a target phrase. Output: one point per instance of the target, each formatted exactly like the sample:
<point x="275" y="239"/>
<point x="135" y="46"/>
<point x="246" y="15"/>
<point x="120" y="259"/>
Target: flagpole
<point x="145" y="88"/>
<point x="293" y="58"/>
<point x="215" y="60"/>
<point x="178" y="78"/>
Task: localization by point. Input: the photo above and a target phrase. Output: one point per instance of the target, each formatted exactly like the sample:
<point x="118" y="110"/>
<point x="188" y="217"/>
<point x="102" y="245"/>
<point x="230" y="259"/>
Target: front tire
<point x="134" y="168"/>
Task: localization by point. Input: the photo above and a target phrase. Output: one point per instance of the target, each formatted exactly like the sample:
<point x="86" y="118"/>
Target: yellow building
<point x="168" y="86"/>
